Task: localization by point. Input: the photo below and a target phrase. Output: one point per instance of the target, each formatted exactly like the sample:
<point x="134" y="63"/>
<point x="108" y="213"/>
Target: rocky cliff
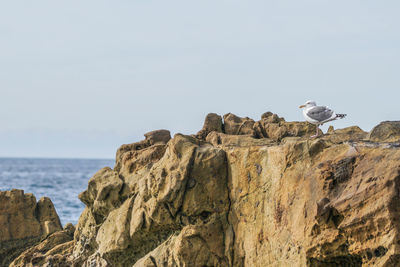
<point x="240" y="193"/>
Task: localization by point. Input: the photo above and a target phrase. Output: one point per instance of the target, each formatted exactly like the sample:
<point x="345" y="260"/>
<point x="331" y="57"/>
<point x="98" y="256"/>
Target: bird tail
<point x="340" y="116"/>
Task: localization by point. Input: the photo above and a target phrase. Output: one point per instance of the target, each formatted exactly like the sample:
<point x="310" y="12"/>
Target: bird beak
<point x="302" y="106"/>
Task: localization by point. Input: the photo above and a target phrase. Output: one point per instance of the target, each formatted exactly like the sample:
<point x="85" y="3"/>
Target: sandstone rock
<point x="349" y="134"/>
<point x="270" y="117"/>
<point x="286" y="191"/>
<point x="196" y="245"/>
<point x="220" y="139"/>
<point x="151" y="138"/>
<point x="213" y="122"/>
<point x="102" y="194"/>
<point x="52" y="251"/>
<point x="157" y="137"/>
<point x="168" y="189"/>
<point x="69" y="228"/>
<point x="47" y="216"/>
<point x="133" y="161"/>
<point x="176" y="191"/>
<point x="387" y="131"/>
<point x="266" y="115"/>
<point x="281" y="199"/>
<point x="238" y="126"/>
<point x="85" y="237"/>
<point x="277" y="130"/>
<point x="23" y="222"/>
<point x="17" y="211"/>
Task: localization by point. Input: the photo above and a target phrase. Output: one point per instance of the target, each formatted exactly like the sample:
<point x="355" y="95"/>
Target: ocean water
<point x="59" y="179"/>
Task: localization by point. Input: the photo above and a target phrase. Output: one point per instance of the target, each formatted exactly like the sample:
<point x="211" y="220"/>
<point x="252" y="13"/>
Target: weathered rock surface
<point x="237" y="125"/>
<point x="242" y="193"/>
<point x="52" y="251"/>
<point x="212" y="123"/>
<point x="23" y="222"/>
<point x="163" y="198"/>
<point x="387" y="131"/>
<point x="130" y="151"/>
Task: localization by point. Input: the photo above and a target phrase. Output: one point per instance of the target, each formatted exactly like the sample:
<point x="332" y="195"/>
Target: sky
<point x="80" y="78"/>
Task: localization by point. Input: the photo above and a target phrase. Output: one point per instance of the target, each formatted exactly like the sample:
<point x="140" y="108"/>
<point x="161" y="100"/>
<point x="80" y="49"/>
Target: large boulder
<point x="23" y="222"/>
<point x="387" y="131"/>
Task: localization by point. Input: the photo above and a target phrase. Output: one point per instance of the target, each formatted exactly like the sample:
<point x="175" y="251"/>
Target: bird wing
<point x="320" y="113"/>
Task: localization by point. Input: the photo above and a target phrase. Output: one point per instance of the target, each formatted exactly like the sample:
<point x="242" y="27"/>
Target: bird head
<point x="309" y="103"/>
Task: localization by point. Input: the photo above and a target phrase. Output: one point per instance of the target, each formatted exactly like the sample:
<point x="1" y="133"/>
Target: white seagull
<point x="319" y="115"/>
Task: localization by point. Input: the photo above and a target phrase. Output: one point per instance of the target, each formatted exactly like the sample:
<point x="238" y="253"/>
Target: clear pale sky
<point x="79" y="78"/>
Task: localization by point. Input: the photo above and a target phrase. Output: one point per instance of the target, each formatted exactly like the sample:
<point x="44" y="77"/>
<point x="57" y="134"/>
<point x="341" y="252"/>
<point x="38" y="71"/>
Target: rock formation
<point x="23" y="222"/>
<point x="241" y="193"/>
<point x="387" y="131"/>
<point x="51" y="251"/>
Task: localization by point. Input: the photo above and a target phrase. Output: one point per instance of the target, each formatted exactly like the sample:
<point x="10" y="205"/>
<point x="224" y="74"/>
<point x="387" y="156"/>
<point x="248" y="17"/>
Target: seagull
<point x="319" y="115"/>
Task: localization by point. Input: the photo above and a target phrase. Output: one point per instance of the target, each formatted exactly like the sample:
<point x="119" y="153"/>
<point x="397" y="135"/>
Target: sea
<point x="59" y="179"/>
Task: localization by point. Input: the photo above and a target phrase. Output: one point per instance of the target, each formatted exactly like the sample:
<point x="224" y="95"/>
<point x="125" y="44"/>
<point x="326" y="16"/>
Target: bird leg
<point x="317" y="133"/>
